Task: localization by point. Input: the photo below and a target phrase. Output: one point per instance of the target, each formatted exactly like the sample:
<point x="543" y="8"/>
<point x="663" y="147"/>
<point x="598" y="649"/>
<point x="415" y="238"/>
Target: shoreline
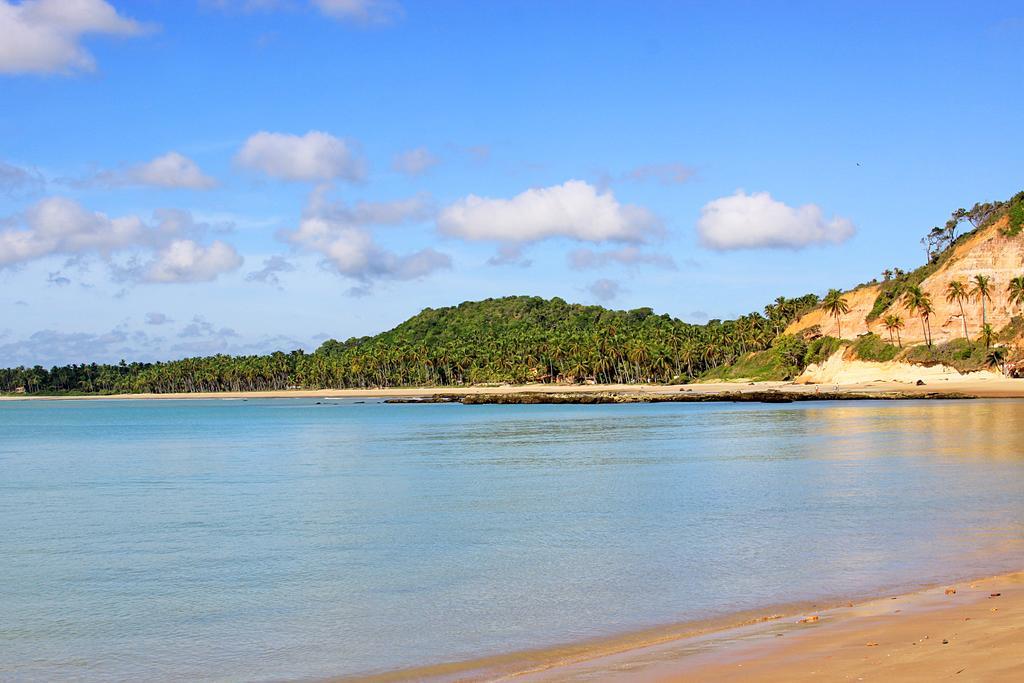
<point x="979" y="388"/>
<point x="890" y="636"/>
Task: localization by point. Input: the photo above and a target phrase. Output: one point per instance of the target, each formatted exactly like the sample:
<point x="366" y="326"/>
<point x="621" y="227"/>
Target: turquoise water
<point x="276" y="539"/>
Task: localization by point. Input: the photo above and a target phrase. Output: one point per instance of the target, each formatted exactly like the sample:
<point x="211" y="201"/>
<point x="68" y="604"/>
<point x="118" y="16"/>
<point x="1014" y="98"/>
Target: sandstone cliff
<point x="842" y="368"/>
<point x="986" y="252"/>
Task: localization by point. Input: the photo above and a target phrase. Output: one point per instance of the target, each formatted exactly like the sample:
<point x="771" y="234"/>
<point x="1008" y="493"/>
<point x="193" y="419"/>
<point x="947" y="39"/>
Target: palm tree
<point x="835" y="304"/>
<point x="1016" y="291"/>
<point x="981" y="290"/>
<point x="894" y="323"/>
<point x="987" y="333"/>
<point x="926" y="313"/>
<point x="917" y="301"/>
<point x="996" y="357"/>
<point x="956" y="291"/>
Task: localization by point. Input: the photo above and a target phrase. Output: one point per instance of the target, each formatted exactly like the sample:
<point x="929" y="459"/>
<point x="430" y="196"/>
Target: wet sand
<point x="973" y="634"/>
<point x="982" y="388"/>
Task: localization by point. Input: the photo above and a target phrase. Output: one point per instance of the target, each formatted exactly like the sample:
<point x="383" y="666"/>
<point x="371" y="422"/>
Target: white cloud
<point x="629" y="255"/>
<point x="313" y="156"/>
<point x="170" y="170"/>
<point x="339" y="233"/>
<point x="188" y="261"/>
<point x="361" y="11"/>
<point x="43" y="36"/>
<point x="414" y="161"/>
<point x="574" y="210"/>
<point x="742" y="221"/>
<point x="604" y="289"/>
<point x="57" y="226"/>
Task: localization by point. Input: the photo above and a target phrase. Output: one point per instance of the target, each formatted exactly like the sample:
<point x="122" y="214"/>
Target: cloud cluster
<point x="574" y="210"/>
<point x="629" y="255"/>
<point x="340" y="233"/>
<point x="742" y="221"/>
<point x="188" y="261"/>
<point x="315" y="156"/>
<point x="58" y="226"/>
<point x="44" y="36"/>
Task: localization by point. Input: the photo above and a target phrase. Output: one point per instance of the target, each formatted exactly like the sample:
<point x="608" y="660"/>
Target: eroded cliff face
<point x="860" y="301"/>
<point x="986" y="252"/>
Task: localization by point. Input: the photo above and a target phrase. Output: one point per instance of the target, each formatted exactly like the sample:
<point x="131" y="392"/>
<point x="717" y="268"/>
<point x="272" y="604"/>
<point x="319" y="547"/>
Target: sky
<point x="187" y="177"/>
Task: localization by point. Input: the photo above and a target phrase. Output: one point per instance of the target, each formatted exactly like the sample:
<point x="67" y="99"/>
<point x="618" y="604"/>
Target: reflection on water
<point x="278" y="538"/>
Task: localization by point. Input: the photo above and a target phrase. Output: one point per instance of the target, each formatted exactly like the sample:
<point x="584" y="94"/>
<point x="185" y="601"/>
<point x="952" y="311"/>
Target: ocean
<point x="272" y="539"/>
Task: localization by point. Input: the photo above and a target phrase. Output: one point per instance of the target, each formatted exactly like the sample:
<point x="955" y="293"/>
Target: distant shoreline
<point x="980" y="388"/>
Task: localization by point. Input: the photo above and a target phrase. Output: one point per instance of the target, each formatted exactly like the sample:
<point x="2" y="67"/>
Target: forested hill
<point x="512" y="339"/>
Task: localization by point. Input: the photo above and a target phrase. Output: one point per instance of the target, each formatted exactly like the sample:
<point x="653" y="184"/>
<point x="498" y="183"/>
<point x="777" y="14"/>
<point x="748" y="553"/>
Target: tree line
<point x="511" y="339"/>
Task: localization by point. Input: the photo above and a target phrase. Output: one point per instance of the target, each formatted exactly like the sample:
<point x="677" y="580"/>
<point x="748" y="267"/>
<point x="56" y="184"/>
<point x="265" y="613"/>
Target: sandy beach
<point x="963" y="631"/>
<point x="982" y="387"/>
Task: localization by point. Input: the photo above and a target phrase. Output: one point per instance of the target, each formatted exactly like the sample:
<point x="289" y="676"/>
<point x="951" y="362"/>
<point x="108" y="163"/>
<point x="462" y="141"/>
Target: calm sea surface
<point x="270" y="539"/>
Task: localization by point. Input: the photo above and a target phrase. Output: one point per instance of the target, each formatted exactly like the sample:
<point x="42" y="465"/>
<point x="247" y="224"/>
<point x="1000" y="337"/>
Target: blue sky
<point x="700" y="158"/>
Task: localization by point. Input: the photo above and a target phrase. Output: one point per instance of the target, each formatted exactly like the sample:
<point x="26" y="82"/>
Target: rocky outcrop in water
<point x="610" y="397"/>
